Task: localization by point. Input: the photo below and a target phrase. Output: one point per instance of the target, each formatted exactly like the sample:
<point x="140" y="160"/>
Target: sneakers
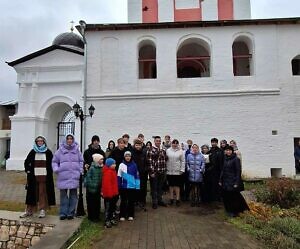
<point x="114" y="222"/>
<point x="130" y="218"/>
<point x="42" y="213"/>
<point x="122" y="219"/>
<point x="108" y="224"/>
<point x="26" y="214"/>
<point x="154" y="206"/>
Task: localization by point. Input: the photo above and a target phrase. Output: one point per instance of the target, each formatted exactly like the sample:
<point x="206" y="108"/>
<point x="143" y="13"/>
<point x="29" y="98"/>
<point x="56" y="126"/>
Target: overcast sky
<point x="29" y="25"/>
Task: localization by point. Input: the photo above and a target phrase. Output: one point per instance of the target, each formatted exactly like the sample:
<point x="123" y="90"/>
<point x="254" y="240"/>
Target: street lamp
<point x="79" y="114"/>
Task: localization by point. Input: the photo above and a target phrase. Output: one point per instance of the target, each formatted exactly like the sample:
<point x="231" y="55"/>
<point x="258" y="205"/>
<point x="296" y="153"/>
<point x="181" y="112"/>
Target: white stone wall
<point x="166" y="10"/>
<point x="135" y="11"/>
<point x="209" y="10"/>
<point x="241" y="9"/>
<point x="246" y="109"/>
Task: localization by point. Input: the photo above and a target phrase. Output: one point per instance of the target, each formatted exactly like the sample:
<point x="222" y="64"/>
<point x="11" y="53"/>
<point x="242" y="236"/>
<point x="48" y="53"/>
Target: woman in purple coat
<point x="67" y="163"/>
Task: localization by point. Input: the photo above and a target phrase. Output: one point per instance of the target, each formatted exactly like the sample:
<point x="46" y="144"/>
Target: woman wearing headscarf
<point x="110" y="147"/>
<point x="67" y="163"/>
<point x="233" y="144"/>
<point x="230" y="181"/>
<point x="40" y="186"/>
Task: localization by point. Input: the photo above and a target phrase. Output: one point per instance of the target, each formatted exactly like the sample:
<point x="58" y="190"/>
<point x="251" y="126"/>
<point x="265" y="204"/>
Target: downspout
<point x="84" y="81"/>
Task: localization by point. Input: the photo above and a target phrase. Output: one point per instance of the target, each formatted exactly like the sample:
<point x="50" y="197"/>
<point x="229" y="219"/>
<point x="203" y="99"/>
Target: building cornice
<point x="154" y="95"/>
<point x="190" y="24"/>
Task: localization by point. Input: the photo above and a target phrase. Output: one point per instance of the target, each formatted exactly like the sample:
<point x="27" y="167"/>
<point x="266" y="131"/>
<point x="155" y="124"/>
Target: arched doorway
<point x="60" y="123"/>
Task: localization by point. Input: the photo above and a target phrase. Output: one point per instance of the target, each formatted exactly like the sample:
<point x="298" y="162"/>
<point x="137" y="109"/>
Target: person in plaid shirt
<point x="156" y="160"/>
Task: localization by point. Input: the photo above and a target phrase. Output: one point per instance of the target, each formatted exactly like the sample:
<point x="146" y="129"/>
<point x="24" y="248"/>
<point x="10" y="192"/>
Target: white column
<point x="33" y="98"/>
<point x="209" y="10"/>
<point x="22" y="98"/>
<point x="135" y="11"/>
<point x="241" y="9"/>
<point x="23" y="132"/>
<point x="165" y="10"/>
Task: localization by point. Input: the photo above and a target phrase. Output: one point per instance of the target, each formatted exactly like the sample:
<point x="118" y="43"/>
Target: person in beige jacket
<point x="175" y="169"/>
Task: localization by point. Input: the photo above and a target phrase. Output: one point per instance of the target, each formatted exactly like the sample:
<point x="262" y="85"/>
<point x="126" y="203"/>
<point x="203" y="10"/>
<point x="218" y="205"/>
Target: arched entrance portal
<point x="60" y="123"/>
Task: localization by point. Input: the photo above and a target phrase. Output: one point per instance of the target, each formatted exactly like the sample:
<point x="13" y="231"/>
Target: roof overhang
<point x="41" y="52"/>
<point x="190" y="24"/>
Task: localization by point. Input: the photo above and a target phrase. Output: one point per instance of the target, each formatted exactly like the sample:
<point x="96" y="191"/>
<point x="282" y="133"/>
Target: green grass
<point x="20" y="207"/>
<point x="278" y="233"/>
<point x="89" y="232"/>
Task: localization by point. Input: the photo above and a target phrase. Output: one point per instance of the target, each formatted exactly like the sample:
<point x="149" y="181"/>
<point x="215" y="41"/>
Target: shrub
<point x="282" y="192"/>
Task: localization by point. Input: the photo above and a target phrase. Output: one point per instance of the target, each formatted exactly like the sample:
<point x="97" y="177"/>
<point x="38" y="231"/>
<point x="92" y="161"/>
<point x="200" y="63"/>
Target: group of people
<point x="189" y="173"/>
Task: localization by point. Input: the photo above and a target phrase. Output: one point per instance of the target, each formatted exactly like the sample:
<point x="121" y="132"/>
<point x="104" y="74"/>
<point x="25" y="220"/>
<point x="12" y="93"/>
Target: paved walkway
<point x="172" y="227"/>
<point x="184" y="227"/>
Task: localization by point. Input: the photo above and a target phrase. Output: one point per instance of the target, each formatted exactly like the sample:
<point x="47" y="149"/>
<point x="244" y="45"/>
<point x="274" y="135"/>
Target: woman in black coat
<point x="40" y="186"/>
<point x="231" y="183"/>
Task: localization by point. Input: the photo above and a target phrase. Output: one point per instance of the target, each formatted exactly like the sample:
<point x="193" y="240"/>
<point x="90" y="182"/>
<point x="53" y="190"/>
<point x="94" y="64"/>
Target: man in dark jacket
<point x="297" y="157"/>
<point x="216" y="159"/>
<point x="128" y="146"/>
<point x="118" y="153"/>
<point x="94" y="148"/>
<point x="139" y="157"/>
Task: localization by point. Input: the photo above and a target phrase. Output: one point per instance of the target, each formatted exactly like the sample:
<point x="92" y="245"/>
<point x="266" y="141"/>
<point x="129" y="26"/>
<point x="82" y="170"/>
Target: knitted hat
<point x="97" y="157"/>
<point x="109" y="162"/>
<point x="127" y="153"/>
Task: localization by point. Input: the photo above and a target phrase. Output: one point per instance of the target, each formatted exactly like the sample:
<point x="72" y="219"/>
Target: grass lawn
<point x="88" y="233"/>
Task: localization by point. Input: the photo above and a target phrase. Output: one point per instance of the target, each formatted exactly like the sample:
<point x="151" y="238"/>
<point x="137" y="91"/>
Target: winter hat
<point x="97" y="157"/>
<point x="127" y="153"/>
<point x="95" y="138"/>
<point x="228" y="147"/>
<point x="109" y="162"/>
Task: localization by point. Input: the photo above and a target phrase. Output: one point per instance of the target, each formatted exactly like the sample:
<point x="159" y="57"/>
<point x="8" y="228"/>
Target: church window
<point x="296" y="65"/>
<point x="242" y="57"/>
<point x="193" y="59"/>
<point x="147" y="60"/>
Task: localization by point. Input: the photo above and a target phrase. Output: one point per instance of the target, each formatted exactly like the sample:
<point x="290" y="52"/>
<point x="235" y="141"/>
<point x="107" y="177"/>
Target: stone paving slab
<point x="176" y="228"/>
<point x="55" y="238"/>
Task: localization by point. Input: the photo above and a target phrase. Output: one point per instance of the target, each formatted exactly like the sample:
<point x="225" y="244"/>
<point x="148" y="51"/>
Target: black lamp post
<point x="79" y="114"/>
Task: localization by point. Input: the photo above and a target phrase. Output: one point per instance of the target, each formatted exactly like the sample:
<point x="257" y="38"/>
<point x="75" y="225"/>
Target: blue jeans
<point x="68" y="202"/>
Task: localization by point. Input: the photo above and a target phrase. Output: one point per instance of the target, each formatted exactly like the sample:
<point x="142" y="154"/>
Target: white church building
<point x="188" y="68"/>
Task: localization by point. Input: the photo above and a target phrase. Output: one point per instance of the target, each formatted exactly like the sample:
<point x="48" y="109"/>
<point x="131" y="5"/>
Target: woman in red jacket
<point x="110" y="191"/>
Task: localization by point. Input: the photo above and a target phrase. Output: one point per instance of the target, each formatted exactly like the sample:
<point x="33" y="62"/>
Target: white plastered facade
<point x="245" y="108"/>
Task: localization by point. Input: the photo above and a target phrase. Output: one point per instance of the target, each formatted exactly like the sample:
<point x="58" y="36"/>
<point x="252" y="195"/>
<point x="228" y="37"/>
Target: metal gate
<point x="63" y="129"/>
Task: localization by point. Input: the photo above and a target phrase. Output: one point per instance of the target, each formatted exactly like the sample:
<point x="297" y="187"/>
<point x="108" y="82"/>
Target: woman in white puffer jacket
<point x="175" y="169"/>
